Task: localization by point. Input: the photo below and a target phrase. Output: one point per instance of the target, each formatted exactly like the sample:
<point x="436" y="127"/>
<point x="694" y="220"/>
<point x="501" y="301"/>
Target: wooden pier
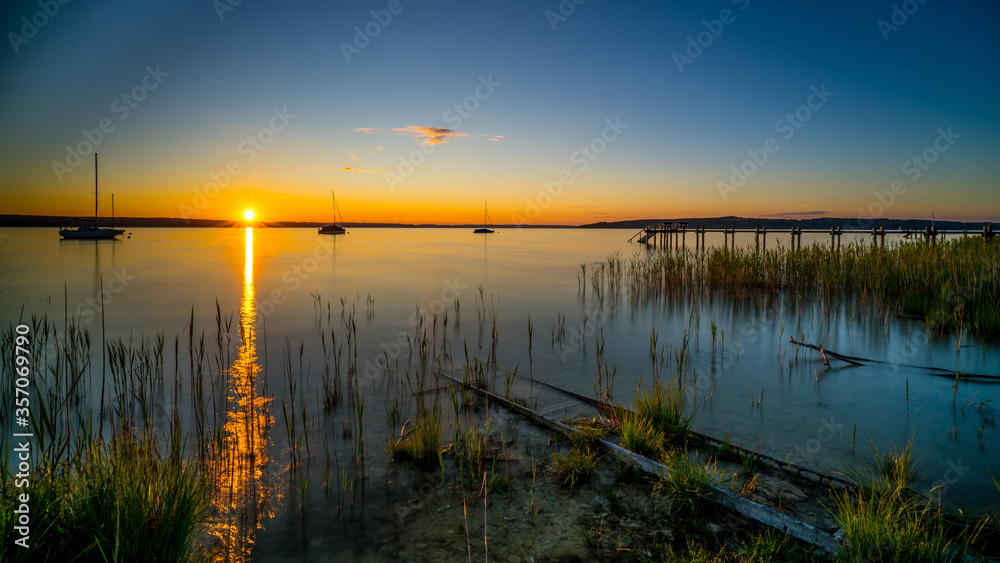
<point x="674" y="235"/>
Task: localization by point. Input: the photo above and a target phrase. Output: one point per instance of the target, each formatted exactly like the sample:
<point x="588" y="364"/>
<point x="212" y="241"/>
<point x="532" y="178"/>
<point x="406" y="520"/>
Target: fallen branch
<point x="940" y="372"/>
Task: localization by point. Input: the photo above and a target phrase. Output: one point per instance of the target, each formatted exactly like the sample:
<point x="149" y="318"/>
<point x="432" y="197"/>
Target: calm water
<point x="297" y="284"/>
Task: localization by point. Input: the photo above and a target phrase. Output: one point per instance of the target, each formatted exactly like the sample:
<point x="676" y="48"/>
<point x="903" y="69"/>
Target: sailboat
<point x="486" y="223"/>
<point x="333" y="229"/>
<point x="94" y="232"/>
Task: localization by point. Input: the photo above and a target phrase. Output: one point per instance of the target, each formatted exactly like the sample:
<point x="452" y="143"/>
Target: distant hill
<point x="823" y="223"/>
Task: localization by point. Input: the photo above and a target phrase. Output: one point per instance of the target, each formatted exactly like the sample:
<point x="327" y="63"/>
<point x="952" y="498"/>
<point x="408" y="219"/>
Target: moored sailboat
<point x="95" y="232"/>
<point x="486" y="223"/>
<point x="334" y="228"/>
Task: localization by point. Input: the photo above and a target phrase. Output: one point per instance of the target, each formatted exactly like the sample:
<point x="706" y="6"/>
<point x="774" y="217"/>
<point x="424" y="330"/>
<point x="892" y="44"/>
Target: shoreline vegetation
<point x="951" y="284"/>
<point x="130" y="478"/>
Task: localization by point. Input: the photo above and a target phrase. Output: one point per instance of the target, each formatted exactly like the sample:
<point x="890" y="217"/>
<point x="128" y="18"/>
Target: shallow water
<point x="297" y="284"/>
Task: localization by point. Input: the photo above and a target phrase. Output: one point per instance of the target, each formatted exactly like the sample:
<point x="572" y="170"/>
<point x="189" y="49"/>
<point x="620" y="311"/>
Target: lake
<point x="381" y="290"/>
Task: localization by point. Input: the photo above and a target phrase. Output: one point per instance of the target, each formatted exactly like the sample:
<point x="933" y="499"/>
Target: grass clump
<point x="120" y="501"/>
<point x="688" y="484"/>
<point x="656" y="420"/>
<point x="662" y="405"/>
<point x="886" y="527"/>
<point x="639" y="435"/>
<point x="576" y="466"/>
<point x="893" y="470"/>
<point x="422" y="443"/>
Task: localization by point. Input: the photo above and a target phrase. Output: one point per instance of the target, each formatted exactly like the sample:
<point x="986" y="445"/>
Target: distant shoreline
<point x="50" y="221"/>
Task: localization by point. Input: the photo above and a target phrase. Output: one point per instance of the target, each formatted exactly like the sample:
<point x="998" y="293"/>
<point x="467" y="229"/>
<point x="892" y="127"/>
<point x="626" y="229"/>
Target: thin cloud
<point x="380" y="149"/>
<point x="496" y="138"/>
<point x="369" y="130"/>
<point x="351" y="154"/>
<point x="349" y="169"/>
<point x="431" y="135"/>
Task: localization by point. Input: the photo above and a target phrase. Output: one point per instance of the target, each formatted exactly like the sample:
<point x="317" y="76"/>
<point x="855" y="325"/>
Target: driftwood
<point x="821" y="540"/>
<point x="940" y="372"/>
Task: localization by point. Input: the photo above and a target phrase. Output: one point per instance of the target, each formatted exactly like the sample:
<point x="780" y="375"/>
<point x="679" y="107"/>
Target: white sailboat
<point x="95" y="232"/>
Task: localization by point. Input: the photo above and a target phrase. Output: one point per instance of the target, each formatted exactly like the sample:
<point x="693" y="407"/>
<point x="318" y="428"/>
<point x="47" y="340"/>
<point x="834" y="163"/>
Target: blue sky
<point x="892" y="90"/>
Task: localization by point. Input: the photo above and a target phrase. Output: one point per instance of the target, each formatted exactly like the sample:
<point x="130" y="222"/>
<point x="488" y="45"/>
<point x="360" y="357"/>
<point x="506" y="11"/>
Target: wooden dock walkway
<point x="674" y="235"/>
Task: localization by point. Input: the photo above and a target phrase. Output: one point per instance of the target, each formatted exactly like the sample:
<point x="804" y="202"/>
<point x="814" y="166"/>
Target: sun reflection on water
<point x="246" y="494"/>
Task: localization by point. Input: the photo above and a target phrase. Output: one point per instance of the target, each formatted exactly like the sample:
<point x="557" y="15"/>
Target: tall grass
<point x="950" y="284"/>
<point x="122" y="501"/>
<point x="885" y="527"/>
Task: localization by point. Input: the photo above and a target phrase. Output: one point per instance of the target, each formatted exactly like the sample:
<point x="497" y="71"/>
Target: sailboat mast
<point x="112" y="211"/>
<point x="95" y="189"/>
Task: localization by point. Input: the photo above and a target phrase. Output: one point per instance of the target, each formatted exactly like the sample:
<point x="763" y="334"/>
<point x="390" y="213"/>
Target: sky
<point x="553" y="112"/>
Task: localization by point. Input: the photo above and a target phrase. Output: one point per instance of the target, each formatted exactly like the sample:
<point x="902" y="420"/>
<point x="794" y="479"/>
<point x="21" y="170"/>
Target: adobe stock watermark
<point x="31" y="26"/>
<point x="453" y="116"/>
<point x="363" y="35"/>
<point x="566" y="8"/>
<point x="956" y="470"/>
<point x="294" y="276"/>
<point x="696" y="44"/>
<point x="90" y="308"/>
<point x="898" y="17"/>
<point x="122" y="107"/>
<point x="786" y="127"/>
<point x="582" y="157"/>
<point x="249" y="148"/>
<point x="912" y="169"/>
<point x="223" y="7"/>
<point x="805" y="453"/>
<point x="392" y="350"/>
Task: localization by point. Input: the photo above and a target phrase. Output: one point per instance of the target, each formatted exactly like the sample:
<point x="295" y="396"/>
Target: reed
<point x="952" y="284"/>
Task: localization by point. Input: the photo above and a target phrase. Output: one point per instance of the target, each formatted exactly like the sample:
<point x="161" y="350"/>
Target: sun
<point x="249" y="214"/>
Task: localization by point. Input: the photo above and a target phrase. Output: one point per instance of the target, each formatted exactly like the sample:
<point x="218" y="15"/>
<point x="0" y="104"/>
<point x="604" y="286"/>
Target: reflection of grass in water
<point x="951" y="284"/>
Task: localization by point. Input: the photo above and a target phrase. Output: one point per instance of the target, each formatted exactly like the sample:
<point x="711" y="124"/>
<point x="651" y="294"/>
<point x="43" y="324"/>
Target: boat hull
<point x="483" y="231"/>
<point x="332" y="230"/>
<point x="90" y="233"/>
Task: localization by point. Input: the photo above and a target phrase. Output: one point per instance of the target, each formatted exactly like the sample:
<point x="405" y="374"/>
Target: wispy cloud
<point x="351" y="154"/>
<point x="496" y="138"/>
<point x="349" y="169"/>
<point x="380" y="149"/>
<point x="432" y="135"/>
<point x="369" y="130"/>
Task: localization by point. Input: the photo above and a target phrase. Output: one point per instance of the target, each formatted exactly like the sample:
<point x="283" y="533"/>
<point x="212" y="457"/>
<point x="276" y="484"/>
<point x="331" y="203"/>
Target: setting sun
<point x="249" y="214"/>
